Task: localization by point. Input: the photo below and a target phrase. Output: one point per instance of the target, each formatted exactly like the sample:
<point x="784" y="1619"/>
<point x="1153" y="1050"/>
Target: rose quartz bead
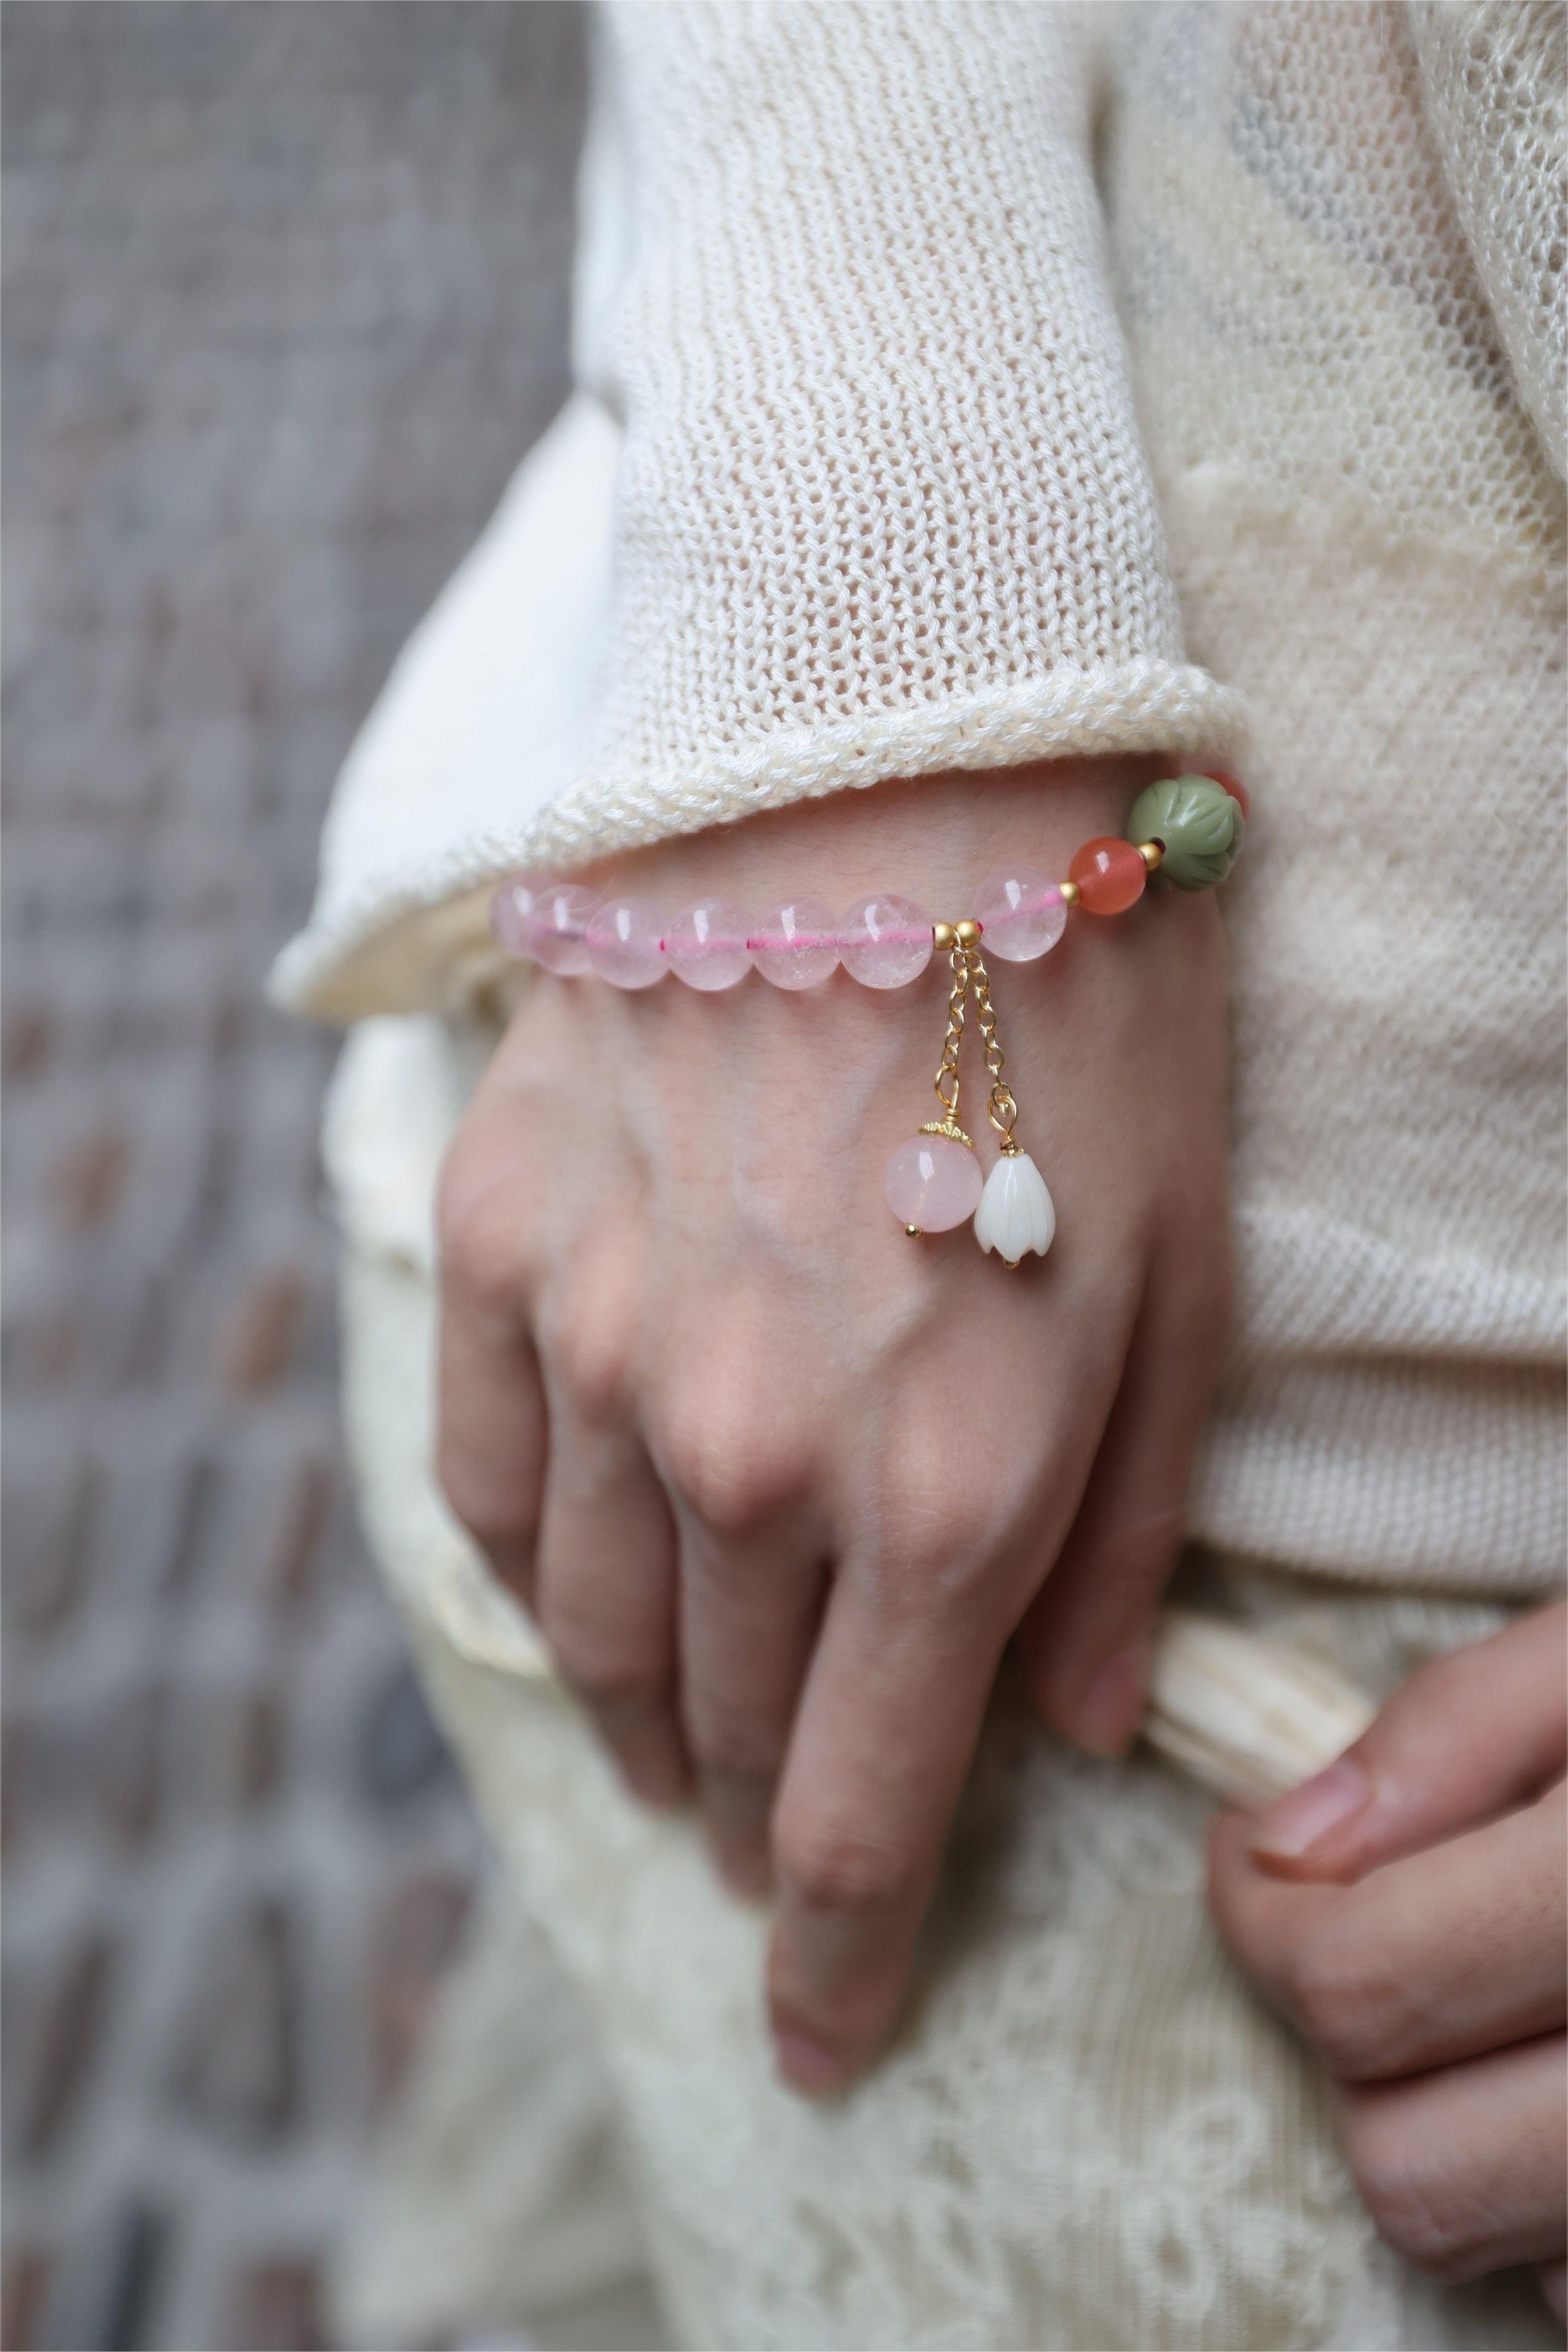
<point x="556" y="927"/>
<point x="1020" y="913"/>
<point x="934" y="1183"/>
<point x="797" y="945"/>
<point x="884" y="941"/>
<point x="706" y="944"/>
<point x="511" y="907"/>
<point x="624" y="943"/>
<point x="1109" y="875"/>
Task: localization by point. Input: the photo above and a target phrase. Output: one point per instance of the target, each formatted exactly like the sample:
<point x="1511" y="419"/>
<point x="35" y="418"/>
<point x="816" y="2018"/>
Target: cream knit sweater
<point x="967" y="383"/>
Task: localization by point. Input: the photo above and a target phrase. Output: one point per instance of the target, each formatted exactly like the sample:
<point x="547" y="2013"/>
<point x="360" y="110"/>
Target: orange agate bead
<point x="1109" y="875"/>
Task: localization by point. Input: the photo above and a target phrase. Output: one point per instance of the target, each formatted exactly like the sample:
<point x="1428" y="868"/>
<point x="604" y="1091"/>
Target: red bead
<point x="1109" y="875"/>
<point x="1236" y="788"/>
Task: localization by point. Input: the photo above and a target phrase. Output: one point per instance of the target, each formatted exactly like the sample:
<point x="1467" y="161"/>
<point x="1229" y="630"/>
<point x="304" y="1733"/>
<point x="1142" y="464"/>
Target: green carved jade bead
<point x="1199" y="824"/>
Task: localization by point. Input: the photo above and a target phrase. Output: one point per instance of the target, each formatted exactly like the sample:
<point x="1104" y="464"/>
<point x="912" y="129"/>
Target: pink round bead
<point x="885" y="942"/>
<point x="796" y="946"/>
<point x="706" y="944"/>
<point x="1021" y="914"/>
<point x="556" y="927"/>
<point x="933" y="1183"/>
<point x="511" y="904"/>
<point x="624" y="942"/>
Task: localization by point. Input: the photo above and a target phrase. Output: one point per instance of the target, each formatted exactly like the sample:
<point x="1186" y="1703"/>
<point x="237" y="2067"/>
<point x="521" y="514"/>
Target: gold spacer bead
<point x="913" y="1231"/>
<point x="941" y="938"/>
<point x="1068" y="892"/>
<point x="1151" y="852"/>
<point x="967" y="933"/>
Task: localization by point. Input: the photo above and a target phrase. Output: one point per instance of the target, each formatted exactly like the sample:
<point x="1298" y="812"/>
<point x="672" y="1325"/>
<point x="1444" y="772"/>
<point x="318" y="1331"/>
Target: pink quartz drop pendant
<point x="934" y="1183"/>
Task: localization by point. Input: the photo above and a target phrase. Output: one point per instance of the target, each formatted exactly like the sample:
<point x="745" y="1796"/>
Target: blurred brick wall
<point x="285" y="302"/>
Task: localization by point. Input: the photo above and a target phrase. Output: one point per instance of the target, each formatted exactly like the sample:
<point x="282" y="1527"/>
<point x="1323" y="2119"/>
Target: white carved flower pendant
<point x="1015" y="1212"/>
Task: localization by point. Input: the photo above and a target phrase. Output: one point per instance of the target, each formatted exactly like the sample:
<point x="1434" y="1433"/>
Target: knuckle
<point x="1348" y="2006"/>
<point x="937" y="1522"/>
<point x="930" y="1550"/>
<point x="1413" y="2208"/>
<point x="478" y="1259"/>
<point x="589" y="1340"/>
<point x="835" y="1867"/>
<point x="728" y="1453"/>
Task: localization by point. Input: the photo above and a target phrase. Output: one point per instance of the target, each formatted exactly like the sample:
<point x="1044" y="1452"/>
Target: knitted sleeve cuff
<point x="857" y="491"/>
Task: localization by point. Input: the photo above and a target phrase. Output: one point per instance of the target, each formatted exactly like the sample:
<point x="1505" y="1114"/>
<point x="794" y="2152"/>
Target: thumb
<point x="1472" y="1735"/>
<point x="1086" y="1644"/>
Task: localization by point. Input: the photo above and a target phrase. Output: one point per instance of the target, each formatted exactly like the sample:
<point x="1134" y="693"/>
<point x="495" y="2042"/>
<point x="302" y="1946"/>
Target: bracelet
<point x="1186" y="831"/>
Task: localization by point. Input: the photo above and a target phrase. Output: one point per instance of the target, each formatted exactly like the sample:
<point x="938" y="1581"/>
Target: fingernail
<point x="1112" y="1709"/>
<point x="808" y="2066"/>
<point x="1293" y="1826"/>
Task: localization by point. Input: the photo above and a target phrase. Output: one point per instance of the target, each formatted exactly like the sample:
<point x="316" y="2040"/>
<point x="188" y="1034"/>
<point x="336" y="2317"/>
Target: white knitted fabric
<point x="1368" y="539"/>
<point x="1492" y="90"/>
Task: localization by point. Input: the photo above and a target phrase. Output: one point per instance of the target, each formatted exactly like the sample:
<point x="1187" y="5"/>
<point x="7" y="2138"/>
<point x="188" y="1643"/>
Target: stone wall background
<point x="285" y="302"/>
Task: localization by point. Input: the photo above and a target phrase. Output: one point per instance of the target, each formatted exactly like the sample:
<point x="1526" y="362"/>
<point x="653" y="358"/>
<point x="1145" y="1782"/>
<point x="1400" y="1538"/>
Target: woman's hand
<point x="778" y="1483"/>
<point x="1407" y="1911"/>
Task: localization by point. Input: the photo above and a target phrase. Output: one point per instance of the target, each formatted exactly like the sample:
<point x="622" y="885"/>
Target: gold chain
<point x="1001" y="1109"/>
<point x="961" y="943"/>
<point x="947" y="1079"/>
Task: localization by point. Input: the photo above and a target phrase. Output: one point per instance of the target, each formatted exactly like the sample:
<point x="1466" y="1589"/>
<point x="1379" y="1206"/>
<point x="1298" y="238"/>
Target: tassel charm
<point x="933" y="1182"/>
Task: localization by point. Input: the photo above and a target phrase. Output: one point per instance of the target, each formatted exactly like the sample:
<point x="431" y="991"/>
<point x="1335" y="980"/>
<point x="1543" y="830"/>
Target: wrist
<point x="758" y="898"/>
<point x="931" y="838"/>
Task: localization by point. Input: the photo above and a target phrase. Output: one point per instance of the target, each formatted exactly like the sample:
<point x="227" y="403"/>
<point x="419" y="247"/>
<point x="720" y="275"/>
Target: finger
<point x="607" y="1596"/>
<point x="942" y="1550"/>
<point x="1554" y="2285"/>
<point x="1429" y="1960"/>
<point x="1085" y="1643"/>
<point x="1464" y="2171"/>
<point x="1472" y="1733"/>
<point x="727" y="1403"/>
<point x="749" y="1613"/>
<point x="888" y="1726"/>
<point x="490" y="1429"/>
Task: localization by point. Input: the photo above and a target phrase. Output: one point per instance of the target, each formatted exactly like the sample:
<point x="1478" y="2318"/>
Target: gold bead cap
<point x="945" y="936"/>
